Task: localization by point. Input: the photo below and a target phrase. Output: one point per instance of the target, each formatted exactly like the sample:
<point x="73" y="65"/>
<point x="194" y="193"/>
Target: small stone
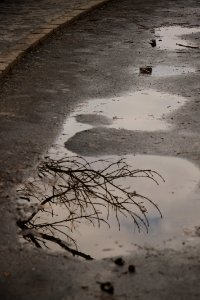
<point x="153" y="43"/>
<point x="131" y="269"/>
<point x="146" y="70"/>
<point x="84" y="287"/>
<point x="119" y="261"/>
<point x="107" y="287"/>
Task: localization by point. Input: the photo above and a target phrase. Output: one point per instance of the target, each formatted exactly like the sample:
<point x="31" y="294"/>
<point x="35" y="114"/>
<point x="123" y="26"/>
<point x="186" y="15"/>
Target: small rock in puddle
<point x="146" y="70"/>
<point x="107" y="287"/>
<point x="93" y="119"/>
<point x="119" y="261"/>
<point x="131" y="269"/>
<point x="153" y="43"/>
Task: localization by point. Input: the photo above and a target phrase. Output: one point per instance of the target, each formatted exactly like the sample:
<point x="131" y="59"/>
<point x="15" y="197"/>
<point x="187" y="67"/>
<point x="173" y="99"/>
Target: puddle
<point x="143" y="110"/>
<point x="177" y="198"/>
<point x="163" y="71"/>
<point x="169" y="37"/>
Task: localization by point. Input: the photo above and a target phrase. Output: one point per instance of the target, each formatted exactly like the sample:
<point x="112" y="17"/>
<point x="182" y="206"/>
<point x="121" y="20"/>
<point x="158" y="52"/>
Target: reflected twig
<point x="81" y="189"/>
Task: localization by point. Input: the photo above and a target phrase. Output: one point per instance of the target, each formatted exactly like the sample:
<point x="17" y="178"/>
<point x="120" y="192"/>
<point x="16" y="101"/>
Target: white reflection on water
<point x="168" y="37"/>
<point x="164" y="71"/>
<point x="143" y="110"/>
<point x="178" y="198"/>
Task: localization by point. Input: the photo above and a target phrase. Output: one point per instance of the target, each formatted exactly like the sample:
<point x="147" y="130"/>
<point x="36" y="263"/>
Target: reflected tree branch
<point x="81" y="189"/>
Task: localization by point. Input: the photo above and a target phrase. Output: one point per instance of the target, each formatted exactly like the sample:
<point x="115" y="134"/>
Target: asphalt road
<point x="96" y="57"/>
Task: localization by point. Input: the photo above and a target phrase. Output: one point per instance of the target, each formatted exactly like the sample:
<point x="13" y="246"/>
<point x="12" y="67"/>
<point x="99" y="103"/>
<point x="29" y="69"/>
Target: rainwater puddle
<point x="163" y="70"/>
<point x="171" y="38"/>
<point x="178" y="199"/>
<point x="143" y="110"/>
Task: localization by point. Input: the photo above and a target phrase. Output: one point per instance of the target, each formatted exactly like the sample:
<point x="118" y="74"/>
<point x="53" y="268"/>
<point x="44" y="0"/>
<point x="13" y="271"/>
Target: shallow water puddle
<point x="162" y="70"/>
<point x="171" y="37"/>
<point x="143" y="110"/>
<point x="178" y="199"/>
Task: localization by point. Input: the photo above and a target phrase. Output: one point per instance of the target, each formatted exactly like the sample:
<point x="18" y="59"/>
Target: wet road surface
<point x="89" y="78"/>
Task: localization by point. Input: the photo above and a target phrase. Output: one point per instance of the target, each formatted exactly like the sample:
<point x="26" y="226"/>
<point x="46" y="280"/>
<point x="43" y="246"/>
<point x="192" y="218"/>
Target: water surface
<point x="170" y="37"/>
<point x="142" y="110"/>
<point x="164" y="71"/>
<point x="178" y="199"/>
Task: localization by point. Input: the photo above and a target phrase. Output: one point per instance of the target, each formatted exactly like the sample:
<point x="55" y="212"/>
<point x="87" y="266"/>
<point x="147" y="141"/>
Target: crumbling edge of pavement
<point x="38" y="35"/>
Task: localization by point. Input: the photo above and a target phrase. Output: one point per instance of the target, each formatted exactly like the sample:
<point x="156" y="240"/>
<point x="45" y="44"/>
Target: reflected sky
<point x="164" y="71"/>
<point x="178" y="198"/>
<point x="142" y="110"/>
<point x="168" y="37"/>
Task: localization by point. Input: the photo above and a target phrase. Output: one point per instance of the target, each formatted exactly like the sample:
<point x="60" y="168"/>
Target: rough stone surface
<point x="22" y="23"/>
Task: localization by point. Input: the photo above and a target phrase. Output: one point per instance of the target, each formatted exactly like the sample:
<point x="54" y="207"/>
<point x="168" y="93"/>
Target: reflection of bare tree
<point x="80" y="190"/>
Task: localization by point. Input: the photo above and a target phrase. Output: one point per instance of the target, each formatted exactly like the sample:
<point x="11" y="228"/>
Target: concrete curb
<point x="38" y="35"/>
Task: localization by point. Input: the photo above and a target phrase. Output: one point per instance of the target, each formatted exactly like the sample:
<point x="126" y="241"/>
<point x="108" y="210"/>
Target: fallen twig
<point x="187" y="46"/>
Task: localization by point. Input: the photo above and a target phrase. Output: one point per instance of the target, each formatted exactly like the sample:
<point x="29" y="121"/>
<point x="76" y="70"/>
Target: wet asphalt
<point x="90" y="59"/>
